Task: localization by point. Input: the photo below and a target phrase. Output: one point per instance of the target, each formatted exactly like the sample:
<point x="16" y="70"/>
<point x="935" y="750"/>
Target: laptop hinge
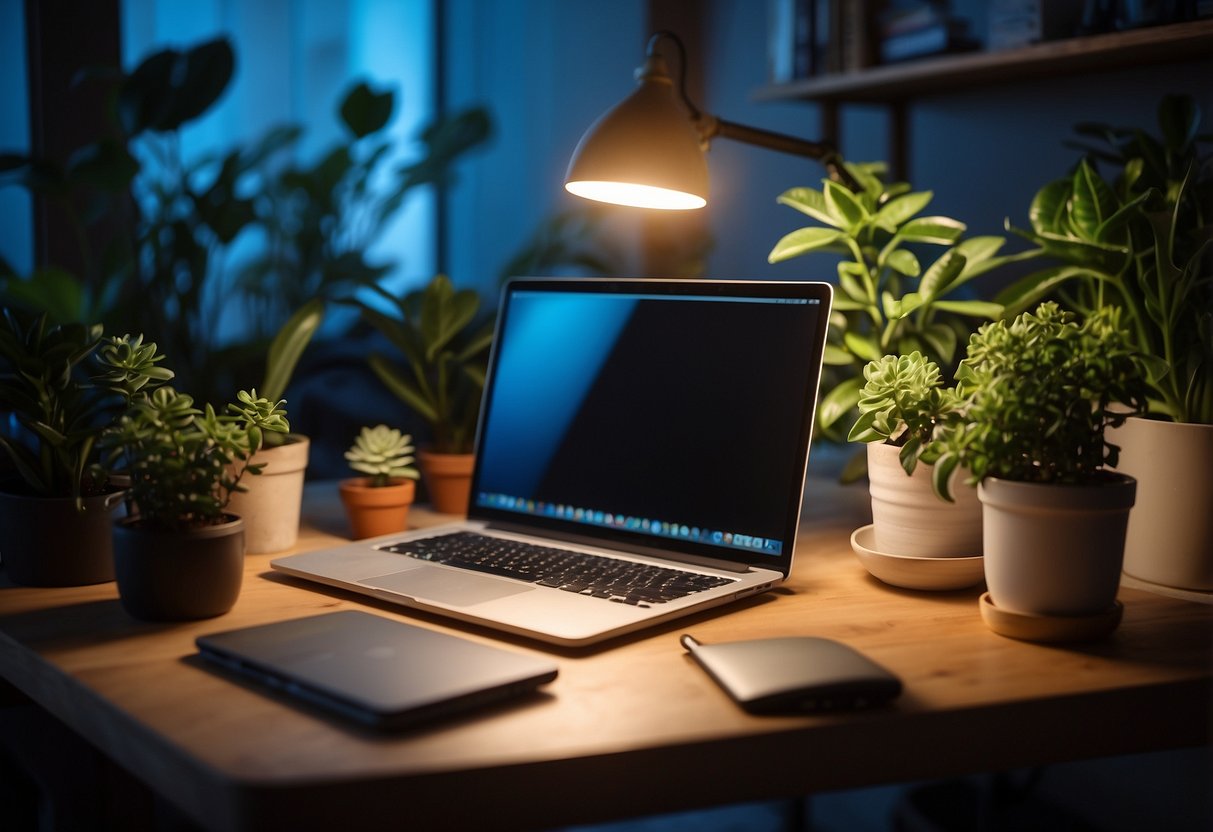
<point x="631" y="548"/>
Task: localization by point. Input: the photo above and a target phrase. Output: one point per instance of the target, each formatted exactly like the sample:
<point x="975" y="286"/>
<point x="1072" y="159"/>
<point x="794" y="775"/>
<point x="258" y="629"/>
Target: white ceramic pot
<point x="1054" y="549"/>
<point x="272" y="505"/>
<point x="908" y="518"/>
<point x="1170" y="537"/>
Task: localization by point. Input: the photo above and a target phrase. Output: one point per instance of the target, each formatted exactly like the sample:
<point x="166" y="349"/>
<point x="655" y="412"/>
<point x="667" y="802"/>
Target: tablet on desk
<point x="376" y="671"/>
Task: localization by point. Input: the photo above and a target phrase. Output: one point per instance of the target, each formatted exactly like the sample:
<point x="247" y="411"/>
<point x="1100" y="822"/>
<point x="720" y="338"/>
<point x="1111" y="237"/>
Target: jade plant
<point x="184" y="463"/>
<point x="384" y="454"/>
<point x="1141" y="241"/>
<point x="902" y="403"/>
<point x="1038" y="394"/>
<point x="445" y="351"/>
<point x="64" y="385"/>
<point x="894" y="297"/>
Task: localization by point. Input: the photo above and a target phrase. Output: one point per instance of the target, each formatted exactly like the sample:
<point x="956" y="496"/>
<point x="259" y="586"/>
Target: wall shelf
<point x="894" y="85"/>
<point x="950" y="73"/>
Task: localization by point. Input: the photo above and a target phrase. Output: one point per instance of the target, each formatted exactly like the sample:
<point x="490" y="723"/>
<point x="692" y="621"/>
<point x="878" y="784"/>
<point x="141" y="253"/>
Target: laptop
<point x="640" y="456"/>
<point x="375" y="671"/>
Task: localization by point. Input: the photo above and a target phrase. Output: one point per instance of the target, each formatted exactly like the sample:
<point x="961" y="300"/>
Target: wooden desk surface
<point x="630" y="728"/>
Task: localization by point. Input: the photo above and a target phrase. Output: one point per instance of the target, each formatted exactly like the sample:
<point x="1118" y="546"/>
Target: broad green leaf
<point x="864" y="346"/>
<point x="844" y="206"/>
<point x="1092" y="201"/>
<point x="403" y="388"/>
<point x="801" y="241"/>
<point x="288" y="346"/>
<point x="895" y="310"/>
<point x="936" y="230"/>
<point x="940" y="274"/>
<point x="897" y="211"/>
<point x="365" y="111"/>
<point x="852" y="286"/>
<point x="845" y="304"/>
<point x="974" y="308"/>
<point x="1049" y="207"/>
<point x="903" y="262"/>
<point x="837" y="356"/>
<point x="838" y="402"/>
<point x="979" y="249"/>
<point x="942" y="340"/>
<point x="808" y="201"/>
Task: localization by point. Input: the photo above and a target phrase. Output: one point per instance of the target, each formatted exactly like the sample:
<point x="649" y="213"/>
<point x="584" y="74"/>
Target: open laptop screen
<point x="667" y="414"/>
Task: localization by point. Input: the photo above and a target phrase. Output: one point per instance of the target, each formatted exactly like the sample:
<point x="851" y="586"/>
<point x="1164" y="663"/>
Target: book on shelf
<point x="818" y="37"/>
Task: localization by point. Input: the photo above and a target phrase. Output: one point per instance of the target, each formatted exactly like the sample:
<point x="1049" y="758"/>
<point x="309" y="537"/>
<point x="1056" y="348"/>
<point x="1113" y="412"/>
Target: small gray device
<point x="796" y="674"/>
<point x="381" y="673"/>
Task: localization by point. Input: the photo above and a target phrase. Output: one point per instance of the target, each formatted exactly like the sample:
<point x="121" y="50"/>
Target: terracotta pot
<point x="271" y="506"/>
<point x="47" y="541"/>
<point x="1170" y="537"/>
<point x="448" y="478"/>
<point x="375" y="511"/>
<point x="908" y="519"/>
<point x="1055" y="550"/>
<point x="179" y="576"/>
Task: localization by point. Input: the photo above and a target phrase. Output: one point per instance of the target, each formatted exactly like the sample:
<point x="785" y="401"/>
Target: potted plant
<point x="1142" y="242"/>
<point x="55" y="515"/>
<point x="1038" y="395"/>
<point x="890" y="300"/>
<point x="180" y="555"/>
<point x="271" y="504"/>
<point x="901" y="405"/>
<point x="378" y="503"/>
<point x="446" y="358"/>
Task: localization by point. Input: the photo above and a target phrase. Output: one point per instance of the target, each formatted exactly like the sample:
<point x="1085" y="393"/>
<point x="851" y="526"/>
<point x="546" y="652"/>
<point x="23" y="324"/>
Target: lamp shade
<point x="644" y="152"/>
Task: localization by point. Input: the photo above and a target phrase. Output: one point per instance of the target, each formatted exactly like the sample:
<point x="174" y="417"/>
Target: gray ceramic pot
<point x="179" y="576"/>
<point x="48" y="541"/>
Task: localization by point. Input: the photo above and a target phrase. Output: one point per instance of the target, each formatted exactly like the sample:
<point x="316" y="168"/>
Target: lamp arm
<point x="710" y="126"/>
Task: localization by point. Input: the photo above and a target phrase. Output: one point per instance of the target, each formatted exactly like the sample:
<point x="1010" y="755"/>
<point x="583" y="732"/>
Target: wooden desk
<point x="629" y="729"/>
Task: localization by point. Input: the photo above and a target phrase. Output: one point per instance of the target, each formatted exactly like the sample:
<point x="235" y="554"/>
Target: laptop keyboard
<point x="612" y="579"/>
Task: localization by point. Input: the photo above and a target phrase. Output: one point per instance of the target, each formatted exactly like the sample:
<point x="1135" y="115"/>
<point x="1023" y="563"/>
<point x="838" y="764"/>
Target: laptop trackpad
<point x="445" y="586"/>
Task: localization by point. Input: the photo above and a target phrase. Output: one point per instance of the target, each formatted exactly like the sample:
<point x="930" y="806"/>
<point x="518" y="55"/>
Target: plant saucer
<point x="910" y="572"/>
<point x="1049" y="628"/>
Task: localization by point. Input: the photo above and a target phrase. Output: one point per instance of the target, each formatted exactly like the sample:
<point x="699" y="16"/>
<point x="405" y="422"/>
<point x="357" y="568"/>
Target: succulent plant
<point x="1038" y="394"/>
<point x="383" y="454"/>
<point x="902" y="403"/>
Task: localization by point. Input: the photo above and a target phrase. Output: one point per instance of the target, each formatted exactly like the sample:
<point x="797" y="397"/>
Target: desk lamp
<point x="648" y="151"/>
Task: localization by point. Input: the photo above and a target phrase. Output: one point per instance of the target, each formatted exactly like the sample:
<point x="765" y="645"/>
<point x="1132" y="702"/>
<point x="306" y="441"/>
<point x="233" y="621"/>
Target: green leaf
<point x="1092" y="201"/>
<point x="838" y="402"/>
<point x="364" y="111"/>
<point x="288" y="346"/>
<point x="803" y="240"/>
<point x="1048" y="207"/>
<point x="973" y="308"/>
<point x="1179" y="119"/>
<point x="843" y="206"/>
<point x="895" y="310"/>
<point x="403" y="388"/>
<point x="936" y="230"/>
<point x="808" y="201"/>
<point x="939" y="276"/>
<point x="836" y="356"/>
<point x="942" y="340"/>
<point x="864" y="346"/>
<point x="896" y="211"/>
<point x="903" y="262"/>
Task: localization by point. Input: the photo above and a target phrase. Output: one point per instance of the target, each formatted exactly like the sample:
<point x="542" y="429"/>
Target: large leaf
<point x="1092" y="201"/>
<point x="288" y="346"/>
<point x="939" y="276"/>
<point x="804" y="240"/>
<point x="972" y="308"/>
<point x="844" y="207"/>
<point x="403" y="388"/>
<point x="1048" y="207"/>
<point x="838" y="402"/>
<point x="903" y="262"/>
<point x="808" y="201"/>
<point x="936" y="230"/>
<point x="365" y="111"/>
<point x="895" y="212"/>
<point x="864" y="346"/>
